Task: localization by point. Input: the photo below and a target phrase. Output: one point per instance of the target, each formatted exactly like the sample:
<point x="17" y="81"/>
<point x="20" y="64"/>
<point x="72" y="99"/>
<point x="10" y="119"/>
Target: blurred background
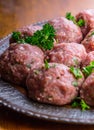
<point x="17" y="13"/>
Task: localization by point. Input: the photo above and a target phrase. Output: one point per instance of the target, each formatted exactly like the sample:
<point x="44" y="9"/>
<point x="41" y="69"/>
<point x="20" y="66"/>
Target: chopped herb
<point x="88" y="69"/>
<point x="44" y="38"/>
<point x="46" y="64"/>
<point x="92" y="33"/>
<point x="16" y="36"/>
<point x="28" y="65"/>
<point x="69" y="16"/>
<point x="81" y="22"/>
<point x="78" y="102"/>
<point x="83" y="105"/>
<point x="75" y="60"/>
<point x="36" y="71"/>
<point x="75" y="83"/>
<point x="76" y="72"/>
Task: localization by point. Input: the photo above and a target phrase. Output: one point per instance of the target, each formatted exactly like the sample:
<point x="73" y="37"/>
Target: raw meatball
<point x="88" y="17"/>
<point x="88" y="42"/>
<point x="27" y="31"/>
<point x="70" y="54"/>
<point x="87" y="90"/>
<point x="17" y="60"/>
<point x="54" y="85"/>
<point x="89" y="58"/>
<point x="66" y="31"/>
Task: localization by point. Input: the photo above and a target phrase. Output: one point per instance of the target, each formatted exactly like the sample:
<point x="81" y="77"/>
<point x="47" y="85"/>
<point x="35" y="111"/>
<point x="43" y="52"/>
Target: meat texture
<point x="88" y="42"/>
<point x="88" y="17"/>
<point x="54" y="85"/>
<point x="17" y="60"/>
<point x="70" y="54"/>
<point x="87" y="90"/>
<point x="89" y="58"/>
<point x="66" y="31"/>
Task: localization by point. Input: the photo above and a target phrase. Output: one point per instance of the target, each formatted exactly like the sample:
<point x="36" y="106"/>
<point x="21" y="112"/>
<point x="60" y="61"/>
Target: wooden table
<point x="15" y="14"/>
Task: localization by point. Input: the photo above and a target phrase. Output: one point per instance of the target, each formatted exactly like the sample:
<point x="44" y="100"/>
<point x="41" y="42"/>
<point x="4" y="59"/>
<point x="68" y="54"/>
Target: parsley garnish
<point x="80" y="103"/>
<point x="80" y="22"/>
<point x="88" y="69"/>
<point x="76" y="72"/>
<point x="43" y="38"/>
<point x="46" y="64"/>
<point x="75" y="83"/>
<point x="69" y="16"/>
<point x="92" y="33"/>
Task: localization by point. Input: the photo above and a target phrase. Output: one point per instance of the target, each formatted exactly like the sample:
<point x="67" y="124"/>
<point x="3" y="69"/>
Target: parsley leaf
<point x="69" y="16"/>
<point x="81" y="22"/>
<point x="46" y="64"/>
<point x="75" y="83"/>
<point x="76" y="72"/>
<point x="16" y="36"/>
<point x="44" y="38"/>
<point x="92" y="33"/>
<point x="88" y="69"/>
<point x="78" y="102"/>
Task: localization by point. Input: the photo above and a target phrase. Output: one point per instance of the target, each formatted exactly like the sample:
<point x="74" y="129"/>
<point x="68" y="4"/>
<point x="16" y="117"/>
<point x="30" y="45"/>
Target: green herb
<point x="75" y="60"/>
<point x="81" y="22"/>
<point x="88" y="69"/>
<point x="78" y="102"/>
<point x="44" y="38"/>
<point x="76" y="72"/>
<point x="28" y="65"/>
<point x="69" y="16"/>
<point x="83" y="105"/>
<point x="46" y="64"/>
<point x="92" y="33"/>
<point x="75" y="83"/>
<point x="16" y="36"/>
<point x="36" y="71"/>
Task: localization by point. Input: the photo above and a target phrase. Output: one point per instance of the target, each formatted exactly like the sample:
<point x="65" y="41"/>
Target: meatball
<point x="88" y="17"/>
<point x="17" y="60"/>
<point x="88" y="42"/>
<point x="54" y="85"/>
<point x="70" y="54"/>
<point x="89" y="58"/>
<point x="26" y="31"/>
<point x="87" y="90"/>
<point x="66" y="31"/>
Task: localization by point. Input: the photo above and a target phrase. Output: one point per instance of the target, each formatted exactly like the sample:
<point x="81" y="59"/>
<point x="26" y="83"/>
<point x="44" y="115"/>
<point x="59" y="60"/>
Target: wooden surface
<point x="17" y="13"/>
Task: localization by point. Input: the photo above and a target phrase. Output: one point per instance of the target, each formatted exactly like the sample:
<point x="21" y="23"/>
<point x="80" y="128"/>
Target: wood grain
<point x="17" y="13"/>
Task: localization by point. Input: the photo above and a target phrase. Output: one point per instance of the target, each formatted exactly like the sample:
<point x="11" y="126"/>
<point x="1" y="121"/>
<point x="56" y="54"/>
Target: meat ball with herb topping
<point x="66" y="31"/>
<point x="88" y="17"/>
<point x="89" y="58"/>
<point x="17" y="60"/>
<point x="70" y="54"/>
<point x="88" y="42"/>
<point x="87" y="90"/>
<point x="54" y="85"/>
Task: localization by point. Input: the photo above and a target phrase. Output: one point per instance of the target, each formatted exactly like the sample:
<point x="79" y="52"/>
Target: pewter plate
<point x="15" y="99"/>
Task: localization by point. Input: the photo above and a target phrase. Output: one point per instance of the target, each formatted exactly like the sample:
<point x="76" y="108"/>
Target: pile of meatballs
<point x="23" y="64"/>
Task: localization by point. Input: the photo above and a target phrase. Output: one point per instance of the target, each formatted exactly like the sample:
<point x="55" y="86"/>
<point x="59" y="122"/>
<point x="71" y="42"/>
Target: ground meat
<point x="27" y="31"/>
<point x="66" y="31"/>
<point x="89" y="58"/>
<point x="17" y="60"/>
<point x="70" y="54"/>
<point x="88" y="42"/>
<point x="88" y="17"/>
<point x="54" y="85"/>
<point x="87" y="90"/>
